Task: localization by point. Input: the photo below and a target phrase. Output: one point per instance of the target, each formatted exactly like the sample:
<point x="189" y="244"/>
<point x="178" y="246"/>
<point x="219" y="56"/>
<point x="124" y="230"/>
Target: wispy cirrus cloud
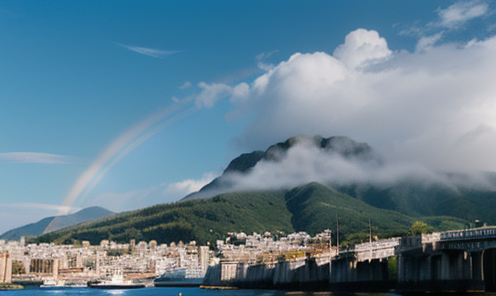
<point x="186" y="85"/>
<point x="453" y="23"/>
<point x="151" y="52"/>
<point x="459" y="13"/>
<point x="186" y="187"/>
<point x="36" y="157"/>
<point x="41" y="206"/>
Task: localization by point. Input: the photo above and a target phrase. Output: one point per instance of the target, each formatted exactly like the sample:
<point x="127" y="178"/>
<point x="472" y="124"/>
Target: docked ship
<point x="51" y="283"/>
<point x="180" y="277"/>
<point x="116" y="282"/>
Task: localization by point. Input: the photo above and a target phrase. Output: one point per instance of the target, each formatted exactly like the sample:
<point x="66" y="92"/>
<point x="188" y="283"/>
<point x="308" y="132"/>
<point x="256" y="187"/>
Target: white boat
<point x="116" y="282"/>
<point x="50" y="283"/>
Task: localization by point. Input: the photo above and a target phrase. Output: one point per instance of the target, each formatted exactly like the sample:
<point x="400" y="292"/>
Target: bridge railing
<point x="382" y="244"/>
<point x="476" y="233"/>
<point x="377" y="250"/>
<point x="431" y="237"/>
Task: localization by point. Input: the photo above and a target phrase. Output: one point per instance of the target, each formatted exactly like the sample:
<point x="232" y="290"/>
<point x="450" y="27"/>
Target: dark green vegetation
<point x="55" y="223"/>
<point x="312" y="208"/>
<point x="200" y="220"/>
<point x="9" y="286"/>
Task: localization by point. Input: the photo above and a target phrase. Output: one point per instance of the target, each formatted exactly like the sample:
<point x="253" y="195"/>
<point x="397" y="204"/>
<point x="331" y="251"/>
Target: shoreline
<point x="7" y="287"/>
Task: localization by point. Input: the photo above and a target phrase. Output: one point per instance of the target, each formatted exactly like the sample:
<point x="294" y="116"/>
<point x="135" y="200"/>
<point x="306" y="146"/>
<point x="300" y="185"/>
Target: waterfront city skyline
<point x="124" y="104"/>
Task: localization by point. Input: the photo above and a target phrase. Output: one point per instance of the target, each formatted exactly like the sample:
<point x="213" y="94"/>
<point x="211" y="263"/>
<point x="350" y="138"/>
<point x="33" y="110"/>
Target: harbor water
<point x="183" y="292"/>
<point x="167" y="292"/>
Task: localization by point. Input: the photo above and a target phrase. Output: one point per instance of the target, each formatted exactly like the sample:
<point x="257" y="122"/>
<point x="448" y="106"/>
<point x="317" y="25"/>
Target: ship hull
<point x="117" y="287"/>
<point x="179" y="283"/>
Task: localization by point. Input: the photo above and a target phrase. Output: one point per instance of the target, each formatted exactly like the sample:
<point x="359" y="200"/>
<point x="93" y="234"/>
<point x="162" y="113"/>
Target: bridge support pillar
<point x="438" y="271"/>
<point x="476" y="266"/>
<point x="349" y="274"/>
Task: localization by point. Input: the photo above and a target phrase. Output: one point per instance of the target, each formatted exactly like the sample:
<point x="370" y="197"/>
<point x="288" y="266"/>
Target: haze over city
<point x="124" y="104"/>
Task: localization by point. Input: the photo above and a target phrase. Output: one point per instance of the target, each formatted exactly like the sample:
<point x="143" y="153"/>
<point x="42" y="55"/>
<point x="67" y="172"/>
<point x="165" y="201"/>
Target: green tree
<point x="18" y="267"/>
<point x="356" y="238"/>
<point x="419" y="227"/>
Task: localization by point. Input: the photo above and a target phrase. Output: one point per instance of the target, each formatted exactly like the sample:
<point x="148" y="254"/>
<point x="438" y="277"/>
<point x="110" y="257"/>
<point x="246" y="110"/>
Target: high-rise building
<point x="5" y="267"/>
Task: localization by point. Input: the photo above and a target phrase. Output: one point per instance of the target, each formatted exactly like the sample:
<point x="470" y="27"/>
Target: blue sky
<point x="126" y="104"/>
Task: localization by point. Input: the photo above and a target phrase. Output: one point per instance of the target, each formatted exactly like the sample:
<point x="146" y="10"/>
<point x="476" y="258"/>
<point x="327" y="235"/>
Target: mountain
<point x="312" y="207"/>
<point x="244" y="164"/>
<point x="201" y="220"/>
<point x="55" y="223"/>
<point x="32" y="229"/>
<point x="439" y="194"/>
<point x="389" y="206"/>
<point x="417" y="199"/>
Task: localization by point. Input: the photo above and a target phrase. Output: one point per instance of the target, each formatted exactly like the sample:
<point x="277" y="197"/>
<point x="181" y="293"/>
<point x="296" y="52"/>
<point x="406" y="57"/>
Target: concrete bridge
<point x="452" y="261"/>
<point x="368" y="267"/>
<point x="463" y="260"/>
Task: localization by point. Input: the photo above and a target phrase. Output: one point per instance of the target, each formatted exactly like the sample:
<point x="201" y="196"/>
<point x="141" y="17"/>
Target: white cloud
<point x="211" y="93"/>
<point x="40" y="206"/>
<point x="35" y="157"/>
<point x="425" y="43"/>
<point x="459" y="13"/>
<point x="186" y="85"/>
<point x="151" y="52"/>
<point x="412" y="107"/>
<point x="304" y="163"/>
<point x="362" y="47"/>
<point x="240" y="93"/>
<point x="186" y="187"/>
<point x="261" y="58"/>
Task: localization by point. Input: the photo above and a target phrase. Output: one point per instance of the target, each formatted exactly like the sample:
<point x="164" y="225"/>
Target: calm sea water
<point x="183" y="291"/>
<point x="165" y="292"/>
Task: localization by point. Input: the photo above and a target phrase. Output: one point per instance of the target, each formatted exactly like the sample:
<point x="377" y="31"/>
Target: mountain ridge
<point x="54" y="223"/>
<point x="312" y="208"/>
<point x="416" y="197"/>
<point x="391" y="207"/>
<point x="244" y="163"/>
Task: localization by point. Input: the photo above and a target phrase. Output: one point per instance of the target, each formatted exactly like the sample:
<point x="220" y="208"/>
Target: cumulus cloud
<point x="459" y="13"/>
<point x="35" y="157"/>
<point x="211" y="93"/>
<point x="411" y="107"/>
<point x="362" y="47"/>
